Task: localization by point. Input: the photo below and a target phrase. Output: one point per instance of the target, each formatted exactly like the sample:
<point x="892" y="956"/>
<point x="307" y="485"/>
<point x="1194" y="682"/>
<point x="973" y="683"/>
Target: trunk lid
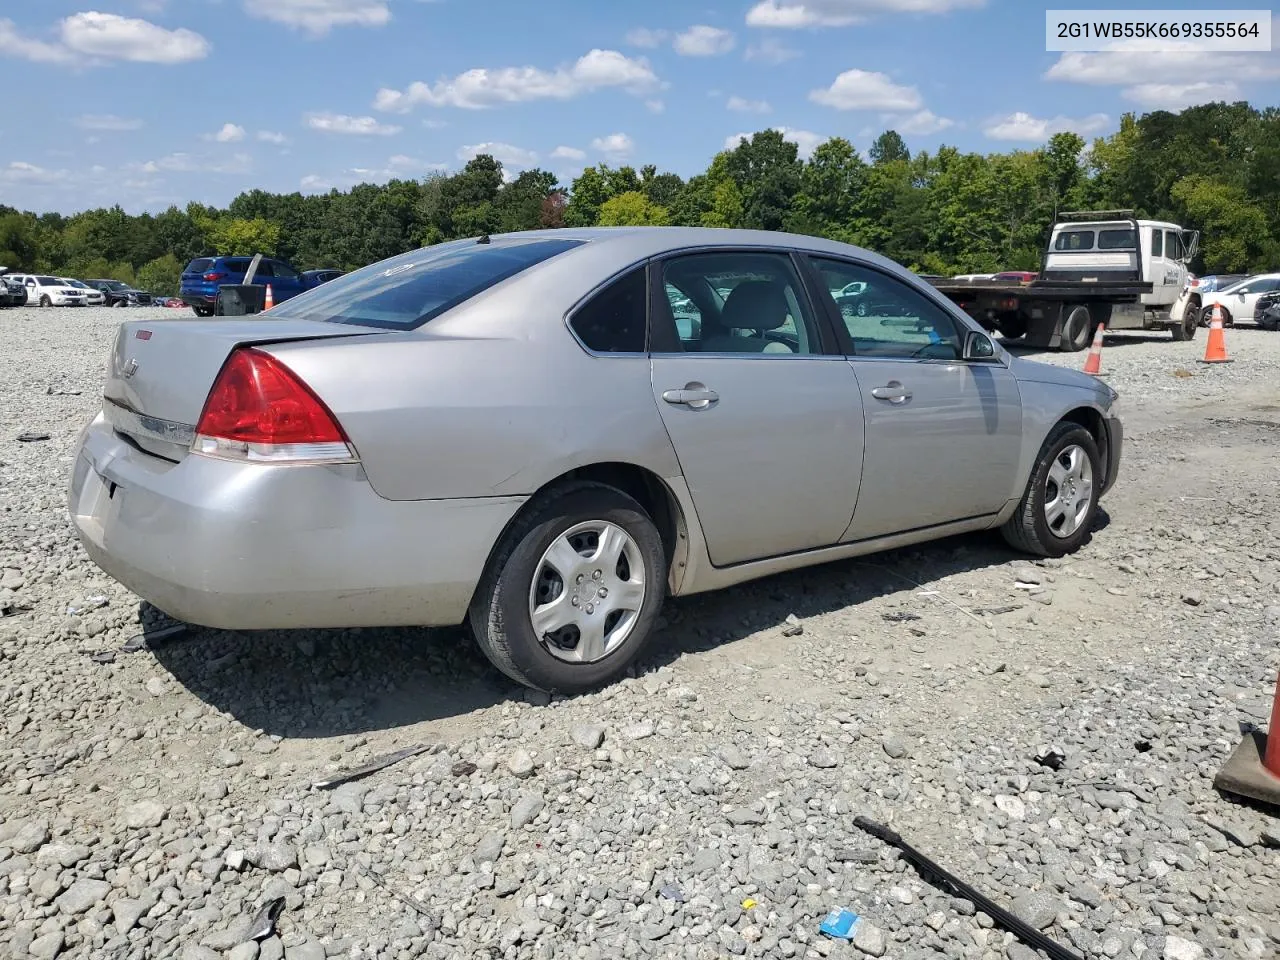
<point x="161" y="372"/>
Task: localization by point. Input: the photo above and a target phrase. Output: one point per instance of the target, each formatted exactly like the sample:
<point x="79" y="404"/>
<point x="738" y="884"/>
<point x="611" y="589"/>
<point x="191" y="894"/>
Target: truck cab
<point x="1118" y="247"/>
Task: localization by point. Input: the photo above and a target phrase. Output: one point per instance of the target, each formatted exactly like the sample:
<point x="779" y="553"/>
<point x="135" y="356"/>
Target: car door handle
<point x="892" y="391"/>
<point x="694" y="395"/>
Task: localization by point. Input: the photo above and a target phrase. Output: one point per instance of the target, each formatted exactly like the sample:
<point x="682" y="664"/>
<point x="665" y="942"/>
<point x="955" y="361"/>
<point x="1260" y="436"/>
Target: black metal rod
<point x="951" y="884"/>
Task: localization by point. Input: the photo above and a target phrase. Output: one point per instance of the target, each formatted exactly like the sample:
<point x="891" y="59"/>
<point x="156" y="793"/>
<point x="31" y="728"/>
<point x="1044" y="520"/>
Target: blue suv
<point x="204" y="275"/>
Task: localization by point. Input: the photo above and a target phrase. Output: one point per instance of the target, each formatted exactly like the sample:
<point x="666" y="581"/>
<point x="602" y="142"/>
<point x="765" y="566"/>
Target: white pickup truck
<point x="1101" y="267"/>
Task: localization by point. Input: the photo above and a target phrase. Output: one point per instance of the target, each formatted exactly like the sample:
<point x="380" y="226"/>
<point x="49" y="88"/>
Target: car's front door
<point x="288" y="282"/>
<point x="943" y="436"/>
<point x="763" y="412"/>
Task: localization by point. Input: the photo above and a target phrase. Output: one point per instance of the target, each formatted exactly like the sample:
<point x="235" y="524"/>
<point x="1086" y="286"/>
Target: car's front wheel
<point x="202" y="311"/>
<point x="1057" y="509"/>
<point x="571" y="594"/>
<point x="46" y="302"/>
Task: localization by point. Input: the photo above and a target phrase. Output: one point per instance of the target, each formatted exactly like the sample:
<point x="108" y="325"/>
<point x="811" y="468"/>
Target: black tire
<point x="45" y="301"/>
<point x="119" y="303"/>
<point x="499" y="612"/>
<point x="1028" y="529"/>
<point x="1186" y="330"/>
<point x="1077" y="329"/>
<point x="202" y="311"/>
<point x="1206" y="317"/>
<point x="1270" y="320"/>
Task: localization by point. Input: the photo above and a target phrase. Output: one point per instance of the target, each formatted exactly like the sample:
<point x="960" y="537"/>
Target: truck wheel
<point x="1186" y="330"/>
<point x="1012" y="326"/>
<point x="1077" y="329"/>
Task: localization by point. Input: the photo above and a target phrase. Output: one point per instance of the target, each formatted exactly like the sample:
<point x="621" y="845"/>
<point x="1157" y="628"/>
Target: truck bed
<point x="1113" y="291"/>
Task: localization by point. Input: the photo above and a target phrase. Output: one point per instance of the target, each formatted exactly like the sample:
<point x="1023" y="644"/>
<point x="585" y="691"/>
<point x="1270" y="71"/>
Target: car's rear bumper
<point x="252" y="546"/>
<point x="1115" y="451"/>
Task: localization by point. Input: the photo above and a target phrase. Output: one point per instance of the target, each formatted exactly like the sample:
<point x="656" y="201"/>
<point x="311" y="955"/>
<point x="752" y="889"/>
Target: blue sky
<point x="151" y="102"/>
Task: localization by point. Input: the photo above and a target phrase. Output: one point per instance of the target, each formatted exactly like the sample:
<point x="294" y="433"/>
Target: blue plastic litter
<point x="840" y="924"/>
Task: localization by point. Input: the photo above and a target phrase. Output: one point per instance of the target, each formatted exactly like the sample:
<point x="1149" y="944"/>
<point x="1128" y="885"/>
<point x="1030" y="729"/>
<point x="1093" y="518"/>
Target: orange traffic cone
<point x="270" y="300"/>
<point x="1254" y="769"/>
<point x="1093" y="365"/>
<point x="1215" y="350"/>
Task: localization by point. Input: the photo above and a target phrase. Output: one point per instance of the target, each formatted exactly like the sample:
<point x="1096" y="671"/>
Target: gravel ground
<point x="152" y="803"/>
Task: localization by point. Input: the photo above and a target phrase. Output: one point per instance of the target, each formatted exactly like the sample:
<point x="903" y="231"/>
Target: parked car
<point x="92" y="296"/>
<point x="1022" y="276"/>
<point x="120" y="294"/>
<point x="204" y="275"/>
<point x="1267" y="312"/>
<point x="45" y="291"/>
<point x="443" y="465"/>
<point x="1188" y="304"/>
<point x="314" y="278"/>
<point x="12" y="292"/>
<point x="1238" y="300"/>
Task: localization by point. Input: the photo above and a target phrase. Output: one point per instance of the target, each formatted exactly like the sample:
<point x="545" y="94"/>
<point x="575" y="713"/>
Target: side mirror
<point x="978" y="346"/>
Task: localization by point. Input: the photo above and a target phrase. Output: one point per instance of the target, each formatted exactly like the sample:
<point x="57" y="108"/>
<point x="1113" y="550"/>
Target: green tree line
<point x="1215" y="168"/>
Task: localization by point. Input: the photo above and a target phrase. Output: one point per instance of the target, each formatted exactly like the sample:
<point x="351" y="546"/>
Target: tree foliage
<point x="1215" y="168"/>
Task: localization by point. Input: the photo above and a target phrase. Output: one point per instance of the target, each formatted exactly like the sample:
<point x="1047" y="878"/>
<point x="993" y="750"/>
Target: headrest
<point x="756" y="305"/>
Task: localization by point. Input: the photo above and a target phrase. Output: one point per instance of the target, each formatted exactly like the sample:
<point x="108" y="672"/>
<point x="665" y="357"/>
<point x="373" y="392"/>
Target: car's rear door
<point x="764" y="415"/>
<point x="943" y="436"/>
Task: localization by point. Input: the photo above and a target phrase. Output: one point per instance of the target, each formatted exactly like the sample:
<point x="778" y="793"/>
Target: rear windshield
<point x="406" y="291"/>
<point x="1074" y="240"/>
<point x="1117" y="239"/>
<point x="199" y="266"/>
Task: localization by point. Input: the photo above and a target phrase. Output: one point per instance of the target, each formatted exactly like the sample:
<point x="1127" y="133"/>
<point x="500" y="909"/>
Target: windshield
<point x="49" y="281"/>
<point x="406" y="291"/>
<point x="76" y="283"/>
<point x="111" y="284"/>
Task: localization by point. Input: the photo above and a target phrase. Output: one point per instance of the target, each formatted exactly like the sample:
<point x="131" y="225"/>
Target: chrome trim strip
<point x="140" y="425"/>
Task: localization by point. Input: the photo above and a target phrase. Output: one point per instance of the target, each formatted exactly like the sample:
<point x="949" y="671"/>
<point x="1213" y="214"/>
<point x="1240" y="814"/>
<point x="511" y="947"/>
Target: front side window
<point x="1172" y="245"/>
<point x="888" y="318"/>
<point x="1157" y="243"/>
<point x="284" y="271"/>
<point x="406" y="291"/>
<point x="613" y="321"/>
<point x="735" y="303"/>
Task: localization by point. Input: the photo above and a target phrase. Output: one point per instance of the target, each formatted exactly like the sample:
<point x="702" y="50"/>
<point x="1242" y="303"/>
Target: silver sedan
<point x="546" y="434"/>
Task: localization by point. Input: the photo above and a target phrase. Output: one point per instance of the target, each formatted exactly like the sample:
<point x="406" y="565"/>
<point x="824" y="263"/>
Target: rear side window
<point x="236" y="264"/>
<point x="1071" y="240"/>
<point x="1117" y="239"/>
<point x="406" y="291"/>
<point x="199" y="266"/>
<point x="613" y="321"/>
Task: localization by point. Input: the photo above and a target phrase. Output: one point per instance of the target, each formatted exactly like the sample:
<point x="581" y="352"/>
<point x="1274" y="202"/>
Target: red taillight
<point x="259" y="409"/>
<point x="214" y="277"/>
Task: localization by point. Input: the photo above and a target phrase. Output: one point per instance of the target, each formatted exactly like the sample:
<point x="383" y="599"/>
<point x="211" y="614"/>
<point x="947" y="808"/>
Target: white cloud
<point x="271" y="136"/>
<point x="14" y="44"/>
<point x="646" y="38"/>
<point x="481" y="88"/>
<point x="107" y="121"/>
<point x="921" y="123"/>
<point x="230" y="133"/>
<point x="866" y="90"/>
<point x="318" y="17"/>
<point x="703" y="41"/>
<point x="19" y="171"/>
<point x="313" y="183"/>
<point x="806" y="140"/>
<point x="433" y="124"/>
<point x="504" y="153"/>
<point x="568" y="153"/>
<point x="111" y="37"/>
<point x="187" y="163"/>
<point x="741" y="105"/>
<point x="770" y="50"/>
<point x="615" y="145"/>
<point x="1179" y="96"/>
<point x="796" y="14"/>
<point x="351" y="126"/>
<point x="1202" y="76"/>
<point x="1025" y="127"/>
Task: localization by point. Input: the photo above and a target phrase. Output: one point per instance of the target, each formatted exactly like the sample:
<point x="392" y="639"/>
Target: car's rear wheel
<point x="571" y="594"/>
<point x="1057" y="509"/>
